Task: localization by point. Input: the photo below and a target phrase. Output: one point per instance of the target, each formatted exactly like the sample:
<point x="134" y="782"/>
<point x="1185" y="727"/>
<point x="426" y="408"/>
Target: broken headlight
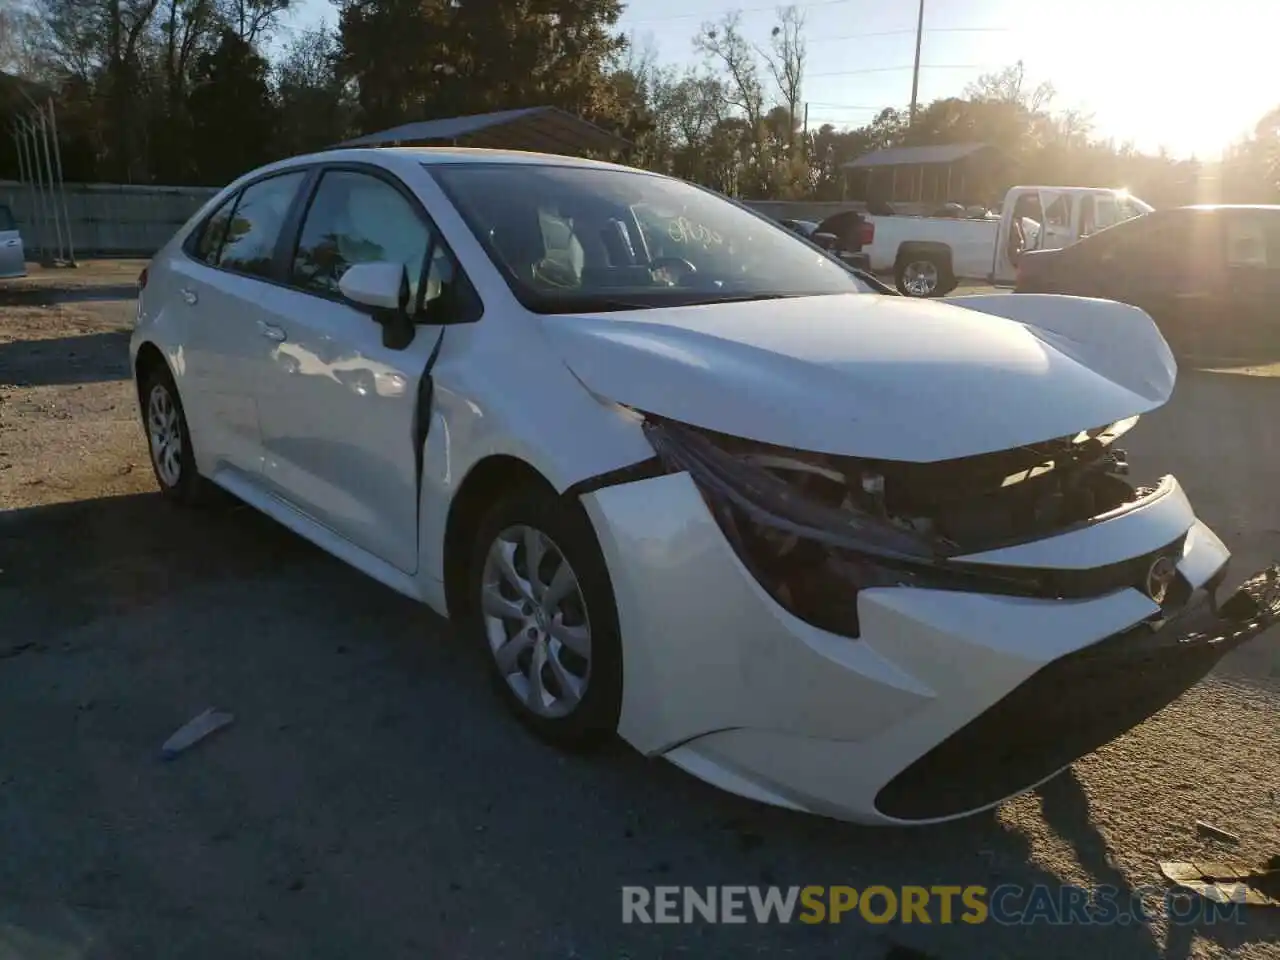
<point x="814" y="535"/>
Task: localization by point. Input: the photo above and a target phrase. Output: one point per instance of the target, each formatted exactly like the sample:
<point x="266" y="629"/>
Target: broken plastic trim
<point x="1077" y="703"/>
<point x="643" y="470"/>
<point x="814" y="558"/>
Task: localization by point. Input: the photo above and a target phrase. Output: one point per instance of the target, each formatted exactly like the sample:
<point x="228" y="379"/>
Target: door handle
<point x="189" y="296"/>
<point x="271" y="331"/>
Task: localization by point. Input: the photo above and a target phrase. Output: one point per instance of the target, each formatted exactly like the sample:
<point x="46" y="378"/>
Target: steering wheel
<point x="669" y="266"/>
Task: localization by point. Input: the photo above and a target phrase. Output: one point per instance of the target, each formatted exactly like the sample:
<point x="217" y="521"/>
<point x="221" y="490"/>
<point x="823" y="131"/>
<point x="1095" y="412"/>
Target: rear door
<point x="12" y="257"/>
<point x="225" y="272"/>
<point x="1251" y="287"/>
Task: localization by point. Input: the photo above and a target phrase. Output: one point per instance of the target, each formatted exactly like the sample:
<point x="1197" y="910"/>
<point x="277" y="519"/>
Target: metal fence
<point x="62" y="221"/>
<point x="105" y="219"/>
<point x="35" y="140"/>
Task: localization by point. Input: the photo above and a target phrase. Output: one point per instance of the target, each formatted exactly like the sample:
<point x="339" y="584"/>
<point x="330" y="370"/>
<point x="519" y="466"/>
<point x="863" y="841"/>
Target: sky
<point x="1189" y="77"/>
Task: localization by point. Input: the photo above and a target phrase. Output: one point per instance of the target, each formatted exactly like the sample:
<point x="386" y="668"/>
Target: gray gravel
<point x="372" y="800"/>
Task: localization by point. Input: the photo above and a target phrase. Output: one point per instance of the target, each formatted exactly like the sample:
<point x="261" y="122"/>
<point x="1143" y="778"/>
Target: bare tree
<point x="186" y="26"/>
<point x="726" y="49"/>
<point x="253" y="19"/>
<point x="1010" y="86"/>
<point x="785" y="59"/>
<point x="20" y="30"/>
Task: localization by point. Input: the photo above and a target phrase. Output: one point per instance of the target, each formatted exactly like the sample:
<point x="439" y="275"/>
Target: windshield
<point x="573" y="238"/>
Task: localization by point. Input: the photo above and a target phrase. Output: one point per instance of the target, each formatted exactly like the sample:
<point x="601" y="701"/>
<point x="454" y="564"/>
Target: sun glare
<point x="1182" y="76"/>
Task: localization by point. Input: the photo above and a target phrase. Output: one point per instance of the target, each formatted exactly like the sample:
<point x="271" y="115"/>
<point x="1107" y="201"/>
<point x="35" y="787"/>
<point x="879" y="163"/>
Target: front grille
<point x="1063" y="584"/>
<point x="1067" y="709"/>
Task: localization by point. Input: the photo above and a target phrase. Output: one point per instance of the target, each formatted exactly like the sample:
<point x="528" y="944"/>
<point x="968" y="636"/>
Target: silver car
<point x="12" y="259"/>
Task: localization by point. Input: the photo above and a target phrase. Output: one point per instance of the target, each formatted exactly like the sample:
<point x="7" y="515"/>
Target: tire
<point x="579" y="698"/>
<point x="923" y="275"/>
<point x="169" y="440"/>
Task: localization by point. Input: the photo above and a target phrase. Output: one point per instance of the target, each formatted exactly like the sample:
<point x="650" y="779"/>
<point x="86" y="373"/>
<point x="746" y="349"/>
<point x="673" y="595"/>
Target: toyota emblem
<point x="1160" y="578"/>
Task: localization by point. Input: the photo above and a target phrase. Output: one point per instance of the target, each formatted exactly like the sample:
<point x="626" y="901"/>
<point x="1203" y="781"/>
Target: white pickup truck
<point x="929" y="256"/>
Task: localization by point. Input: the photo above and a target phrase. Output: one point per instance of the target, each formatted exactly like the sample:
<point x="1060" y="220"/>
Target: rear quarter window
<point x="207" y="242"/>
<point x="6" y="218"/>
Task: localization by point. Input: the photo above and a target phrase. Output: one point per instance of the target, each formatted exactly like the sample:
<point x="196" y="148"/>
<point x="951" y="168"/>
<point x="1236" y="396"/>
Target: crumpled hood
<point x="876" y="376"/>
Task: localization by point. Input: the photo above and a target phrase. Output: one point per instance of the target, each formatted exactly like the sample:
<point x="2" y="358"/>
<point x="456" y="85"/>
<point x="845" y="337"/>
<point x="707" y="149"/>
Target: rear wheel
<point x="544" y="611"/>
<point x="169" y="440"/>
<point x="923" y="275"/>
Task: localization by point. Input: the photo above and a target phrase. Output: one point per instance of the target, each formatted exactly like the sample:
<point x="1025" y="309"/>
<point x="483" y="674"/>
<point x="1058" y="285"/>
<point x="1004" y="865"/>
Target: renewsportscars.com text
<point x="1008" y="904"/>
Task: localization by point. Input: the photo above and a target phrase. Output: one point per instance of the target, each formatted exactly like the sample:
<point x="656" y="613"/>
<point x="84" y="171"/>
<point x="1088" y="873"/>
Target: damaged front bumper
<point x="945" y="701"/>
<point x="1079" y="702"/>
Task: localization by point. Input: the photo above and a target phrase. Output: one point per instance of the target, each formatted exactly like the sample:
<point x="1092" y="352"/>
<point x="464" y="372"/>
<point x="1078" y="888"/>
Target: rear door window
<point x="1247" y="244"/>
<point x="254" y="228"/>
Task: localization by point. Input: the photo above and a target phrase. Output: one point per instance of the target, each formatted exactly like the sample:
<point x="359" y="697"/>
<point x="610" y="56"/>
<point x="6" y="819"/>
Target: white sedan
<point x="686" y="478"/>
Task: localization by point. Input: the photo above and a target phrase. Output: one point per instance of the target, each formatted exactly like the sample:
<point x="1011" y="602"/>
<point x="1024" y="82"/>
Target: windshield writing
<point x="575" y="238"/>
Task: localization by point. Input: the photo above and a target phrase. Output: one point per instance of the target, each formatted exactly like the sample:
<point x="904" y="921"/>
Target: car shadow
<point x="45" y="295"/>
<point x="372" y="797"/>
<point x="86" y="358"/>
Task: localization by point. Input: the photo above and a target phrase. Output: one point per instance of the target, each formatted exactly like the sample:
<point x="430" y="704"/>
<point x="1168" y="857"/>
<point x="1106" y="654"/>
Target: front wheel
<point x="545" y="615"/>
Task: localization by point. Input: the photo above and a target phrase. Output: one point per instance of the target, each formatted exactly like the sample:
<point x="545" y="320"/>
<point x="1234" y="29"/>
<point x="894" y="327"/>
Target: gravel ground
<point x="371" y="799"/>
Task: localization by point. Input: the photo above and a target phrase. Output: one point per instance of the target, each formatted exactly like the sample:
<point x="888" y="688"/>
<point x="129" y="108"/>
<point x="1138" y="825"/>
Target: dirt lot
<point x="371" y="800"/>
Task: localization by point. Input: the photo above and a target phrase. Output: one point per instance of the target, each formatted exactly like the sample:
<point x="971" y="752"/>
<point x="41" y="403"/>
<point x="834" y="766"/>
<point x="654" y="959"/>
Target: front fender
<point x="1116" y="340"/>
<point x="564" y="433"/>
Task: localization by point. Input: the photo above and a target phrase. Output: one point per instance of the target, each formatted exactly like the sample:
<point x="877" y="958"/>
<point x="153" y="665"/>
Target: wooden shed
<point x="968" y="173"/>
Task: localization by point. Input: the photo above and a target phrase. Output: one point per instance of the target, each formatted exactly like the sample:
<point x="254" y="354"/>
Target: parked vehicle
<point x="849" y="232"/>
<point x="805" y="228"/>
<point x="682" y="476"/>
<point x="929" y="256"/>
<point x="13" y="261"/>
<point x="844" y="234"/>
<point x="1209" y="276"/>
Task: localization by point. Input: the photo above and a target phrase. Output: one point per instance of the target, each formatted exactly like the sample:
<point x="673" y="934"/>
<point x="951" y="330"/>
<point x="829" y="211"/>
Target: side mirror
<point x="381" y="285"/>
<point x="383" y="288"/>
<point x="827" y="241"/>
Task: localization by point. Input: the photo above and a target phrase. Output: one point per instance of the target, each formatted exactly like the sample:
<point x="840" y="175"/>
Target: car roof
<point x="433" y="156"/>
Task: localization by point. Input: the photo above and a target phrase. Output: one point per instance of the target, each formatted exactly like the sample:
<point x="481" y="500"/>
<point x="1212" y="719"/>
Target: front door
<point x="1057" y="231"/>
<point x="341" y="413"/>
<point x="1169" y="266"/>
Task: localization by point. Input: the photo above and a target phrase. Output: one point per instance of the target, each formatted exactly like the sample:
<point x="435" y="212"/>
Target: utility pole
<point x="805" y="136"/>
<point x="915" y="73"/>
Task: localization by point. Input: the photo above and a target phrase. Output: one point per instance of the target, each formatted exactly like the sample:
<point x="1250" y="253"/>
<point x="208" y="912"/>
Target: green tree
<point x="232" y="114"/>
<point x="315" y="109"/>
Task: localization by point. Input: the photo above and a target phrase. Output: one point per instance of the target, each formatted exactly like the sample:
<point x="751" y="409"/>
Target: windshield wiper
<point x="583" y="303"/>
<point x="740" y="298"/>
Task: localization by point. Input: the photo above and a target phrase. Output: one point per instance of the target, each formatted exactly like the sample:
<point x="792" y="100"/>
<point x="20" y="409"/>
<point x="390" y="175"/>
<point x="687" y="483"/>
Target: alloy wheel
<point x="164" y="429"/>
<point x="920" y="278"/>
<point x="536" y="622"/>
